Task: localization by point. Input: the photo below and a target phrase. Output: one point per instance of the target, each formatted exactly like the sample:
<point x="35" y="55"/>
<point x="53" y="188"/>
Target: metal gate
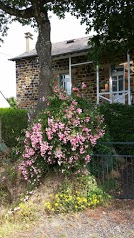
<point x="114" y="170"/>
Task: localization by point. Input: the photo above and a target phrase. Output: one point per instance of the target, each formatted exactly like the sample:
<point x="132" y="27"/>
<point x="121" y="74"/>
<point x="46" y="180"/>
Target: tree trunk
<point x="43" y="47"/>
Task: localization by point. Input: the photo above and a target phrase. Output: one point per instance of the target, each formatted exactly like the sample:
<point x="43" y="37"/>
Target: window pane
<point x="114" y="83"/>
<point x="65" y="83"/>
<point x="120" y="82"/>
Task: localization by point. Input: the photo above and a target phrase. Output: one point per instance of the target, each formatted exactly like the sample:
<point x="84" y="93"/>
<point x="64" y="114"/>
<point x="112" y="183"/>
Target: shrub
<point x="119" y="120"/>
<point x="62" y="136"/>
<point x="14" y="121"/>
<point x="76" y="194"/>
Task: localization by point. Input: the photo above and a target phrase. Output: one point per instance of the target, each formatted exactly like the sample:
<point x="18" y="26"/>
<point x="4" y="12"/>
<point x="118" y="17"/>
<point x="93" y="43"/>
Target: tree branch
<point x="27" y="13"/>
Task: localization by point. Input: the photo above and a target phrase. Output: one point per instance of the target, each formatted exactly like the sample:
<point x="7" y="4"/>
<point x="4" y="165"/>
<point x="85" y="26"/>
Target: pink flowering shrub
<point x="62" y="136"/>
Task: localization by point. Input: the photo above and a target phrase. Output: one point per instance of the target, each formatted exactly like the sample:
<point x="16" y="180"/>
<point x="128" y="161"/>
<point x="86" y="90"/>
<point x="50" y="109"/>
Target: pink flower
<point x="83" y="85"/>
<point x="61" y="126"/>
<point x="86" y="130"/>
<point x="49" y="133"/>
<point x="79" y="110"/>
<point x="87" y="158"/>
<point x="28" y="134"/>
<point x="44" y="148"/>
<point x="87" y="119"/>
<point x="75" y="89"/>
<point x="74" y="102"/>
<point x="69" y="114"/>
<point x="58" y="153"/>
<point x="43" y="99"/>
<point x="61" y="136"/>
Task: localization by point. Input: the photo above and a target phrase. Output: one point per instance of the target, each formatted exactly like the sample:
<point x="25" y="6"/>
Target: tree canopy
<point x="112" y="22"/>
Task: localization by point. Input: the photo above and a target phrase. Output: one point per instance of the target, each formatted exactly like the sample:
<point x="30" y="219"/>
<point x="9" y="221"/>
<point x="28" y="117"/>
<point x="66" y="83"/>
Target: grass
<point x="9" y="228"/>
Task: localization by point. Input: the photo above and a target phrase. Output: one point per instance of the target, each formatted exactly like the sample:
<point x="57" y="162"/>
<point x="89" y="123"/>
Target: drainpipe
<point x="129" y="92"/>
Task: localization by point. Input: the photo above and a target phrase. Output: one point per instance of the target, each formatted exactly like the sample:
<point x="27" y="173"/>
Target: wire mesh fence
<point x="115" y="171"/>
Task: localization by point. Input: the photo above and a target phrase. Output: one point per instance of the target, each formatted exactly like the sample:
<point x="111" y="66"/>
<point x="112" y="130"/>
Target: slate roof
<point x="61" y="48"/>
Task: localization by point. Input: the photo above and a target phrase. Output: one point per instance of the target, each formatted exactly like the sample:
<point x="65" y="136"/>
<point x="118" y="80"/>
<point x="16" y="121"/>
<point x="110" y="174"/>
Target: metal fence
<point x="115" y="170"/>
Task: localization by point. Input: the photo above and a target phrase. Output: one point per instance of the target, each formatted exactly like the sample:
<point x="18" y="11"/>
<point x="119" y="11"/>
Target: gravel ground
<point x="115" y="221"/>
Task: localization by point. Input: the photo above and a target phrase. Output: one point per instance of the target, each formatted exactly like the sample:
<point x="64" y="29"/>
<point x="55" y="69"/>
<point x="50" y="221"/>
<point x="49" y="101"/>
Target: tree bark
<point x="43" y="47"/>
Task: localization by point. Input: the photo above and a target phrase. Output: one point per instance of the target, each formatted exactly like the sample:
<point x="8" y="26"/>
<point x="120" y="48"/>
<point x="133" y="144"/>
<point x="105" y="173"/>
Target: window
<point x="118" y="79"/>
<point x="118" y="85"/>
<point x="65" y="82"/>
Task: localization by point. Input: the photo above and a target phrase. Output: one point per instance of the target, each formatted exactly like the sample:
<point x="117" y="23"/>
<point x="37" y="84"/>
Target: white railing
<point x="111" y="94"/>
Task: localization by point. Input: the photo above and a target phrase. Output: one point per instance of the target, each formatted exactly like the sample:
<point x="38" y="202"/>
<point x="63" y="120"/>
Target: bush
<point x="119" y="120"/>
<point x="76" y="194"/>
<point x="63" y="136"/>
<point x="13" y="122"/>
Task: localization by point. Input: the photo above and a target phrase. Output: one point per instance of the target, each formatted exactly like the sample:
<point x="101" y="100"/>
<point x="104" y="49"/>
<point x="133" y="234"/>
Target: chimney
<point x="28" y="37"/>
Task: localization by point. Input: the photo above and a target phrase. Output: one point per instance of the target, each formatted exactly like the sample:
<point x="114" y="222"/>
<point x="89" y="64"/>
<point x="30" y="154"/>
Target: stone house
<point x="71" y="66"/>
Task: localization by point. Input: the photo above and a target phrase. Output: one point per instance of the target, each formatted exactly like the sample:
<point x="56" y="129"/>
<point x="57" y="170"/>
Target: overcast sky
<point x="14" y="44"/>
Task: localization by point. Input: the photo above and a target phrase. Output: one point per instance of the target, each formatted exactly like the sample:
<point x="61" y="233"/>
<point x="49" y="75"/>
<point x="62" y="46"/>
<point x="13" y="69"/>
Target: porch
<point x="117" y="84"/>
<point x="118" y="88"/>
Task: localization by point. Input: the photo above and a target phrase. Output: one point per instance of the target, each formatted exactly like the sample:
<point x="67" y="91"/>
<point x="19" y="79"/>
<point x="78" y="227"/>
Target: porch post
<point x="128" y="62"/>
<point x="97" y="81"/>
<point x="110" y="83"/>
<point x="70" y="72"/>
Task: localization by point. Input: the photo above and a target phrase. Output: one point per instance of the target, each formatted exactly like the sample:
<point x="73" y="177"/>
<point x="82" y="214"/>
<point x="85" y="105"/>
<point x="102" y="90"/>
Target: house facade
<point x="71" y="66"/>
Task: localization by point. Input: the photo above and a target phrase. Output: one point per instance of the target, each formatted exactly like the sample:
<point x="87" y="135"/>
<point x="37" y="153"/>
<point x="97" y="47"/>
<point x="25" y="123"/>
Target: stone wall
<point x="27" y="78"/>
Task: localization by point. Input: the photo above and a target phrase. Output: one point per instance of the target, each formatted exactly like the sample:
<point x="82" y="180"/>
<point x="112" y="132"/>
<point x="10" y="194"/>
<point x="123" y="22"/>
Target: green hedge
<point x="13" y="122"/>
<point x="119" y="119"/>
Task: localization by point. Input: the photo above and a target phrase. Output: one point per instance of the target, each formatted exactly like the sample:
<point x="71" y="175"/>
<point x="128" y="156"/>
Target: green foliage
<point x="25" y="12"/>
<point x="14" y="121"/>
<point x="119" y="120"/>
<point x="12" y="102"/>
<point x="112" y="21"/>
<point x="76" y="194"/>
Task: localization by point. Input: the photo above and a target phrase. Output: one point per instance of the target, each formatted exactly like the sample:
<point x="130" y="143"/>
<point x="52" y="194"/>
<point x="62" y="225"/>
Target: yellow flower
<point x="57" y="200"/>
<point x="70" y="198"/>
<point x="78" y="198"/>
<point x="56" y="204"/>
<point x="84" y="199"/>
<point x="56" y="196"/>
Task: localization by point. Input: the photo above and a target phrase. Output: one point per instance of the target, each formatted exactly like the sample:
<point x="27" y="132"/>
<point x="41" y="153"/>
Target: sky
<point x="15" y="44"/>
